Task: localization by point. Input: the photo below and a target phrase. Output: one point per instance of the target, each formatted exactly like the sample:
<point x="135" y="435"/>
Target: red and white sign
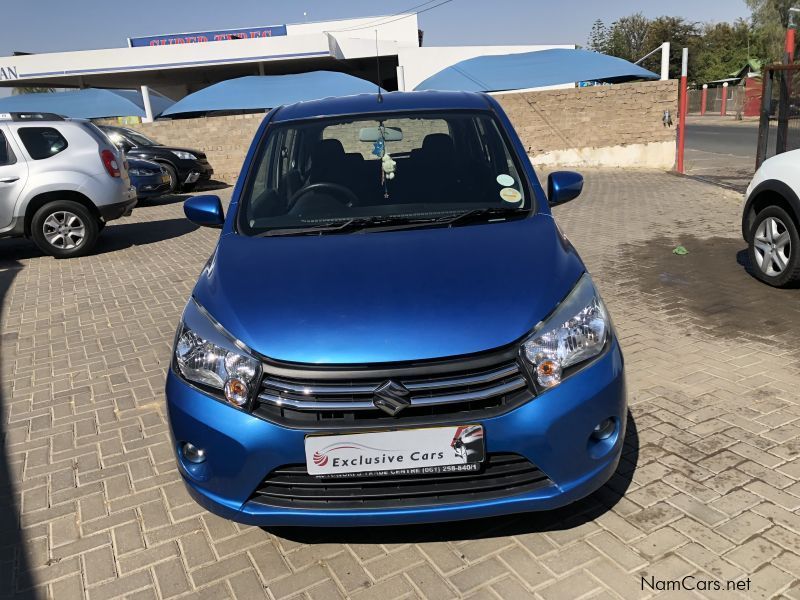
<point x="408" y="451"/>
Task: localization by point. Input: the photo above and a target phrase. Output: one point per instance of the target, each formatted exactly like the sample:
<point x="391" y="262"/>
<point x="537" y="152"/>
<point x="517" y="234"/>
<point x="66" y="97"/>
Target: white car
<point x="771" y="220"/>
<point x="61" y="181"/>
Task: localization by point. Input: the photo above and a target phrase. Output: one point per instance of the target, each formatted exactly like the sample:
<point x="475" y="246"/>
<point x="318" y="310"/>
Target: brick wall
<point x="225" y="140"/>
<point x="587" y="120"/>
<point x="593" y="117"/>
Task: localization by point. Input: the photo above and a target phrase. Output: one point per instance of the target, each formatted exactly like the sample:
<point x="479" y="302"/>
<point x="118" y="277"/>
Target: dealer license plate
<point x="406" y="452"/>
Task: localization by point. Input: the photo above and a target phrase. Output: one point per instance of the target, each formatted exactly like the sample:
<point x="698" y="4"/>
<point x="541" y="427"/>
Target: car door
<point x="13" y="175"/>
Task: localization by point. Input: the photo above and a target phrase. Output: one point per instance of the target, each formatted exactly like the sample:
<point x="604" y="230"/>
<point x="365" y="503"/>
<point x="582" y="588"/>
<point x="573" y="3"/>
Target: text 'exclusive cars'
<point x="392" y="328"/>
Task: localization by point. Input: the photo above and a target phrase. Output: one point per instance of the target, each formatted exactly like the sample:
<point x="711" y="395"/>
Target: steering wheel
<point x="333" y="187"/>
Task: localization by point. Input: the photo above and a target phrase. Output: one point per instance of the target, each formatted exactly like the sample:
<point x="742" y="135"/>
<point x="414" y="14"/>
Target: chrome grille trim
<point x="432" y="392"/>
<point x="435" y="384"/>
<point x="498" y="390"/>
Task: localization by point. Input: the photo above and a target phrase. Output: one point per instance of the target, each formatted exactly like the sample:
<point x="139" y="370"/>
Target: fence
<point x="734" y="105"/>
<point x="779" y="127"/>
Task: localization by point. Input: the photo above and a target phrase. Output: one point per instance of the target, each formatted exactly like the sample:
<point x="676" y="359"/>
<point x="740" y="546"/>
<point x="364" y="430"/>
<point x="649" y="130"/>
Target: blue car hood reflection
<point x="389" y="296"/>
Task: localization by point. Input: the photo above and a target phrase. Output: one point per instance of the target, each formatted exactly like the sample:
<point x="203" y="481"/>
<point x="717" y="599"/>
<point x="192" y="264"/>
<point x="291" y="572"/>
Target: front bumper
<point x="151" y="186"/>
<point x="552" y="431"/>
<point x="192" y="171"/>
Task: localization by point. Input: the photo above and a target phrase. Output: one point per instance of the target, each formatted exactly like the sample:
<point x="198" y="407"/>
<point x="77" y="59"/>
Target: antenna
<point x="378" y="64"/>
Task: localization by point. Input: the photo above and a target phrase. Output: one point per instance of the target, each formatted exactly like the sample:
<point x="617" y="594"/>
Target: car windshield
<point x="341" y="175"/>
<point x="136" y="137"/>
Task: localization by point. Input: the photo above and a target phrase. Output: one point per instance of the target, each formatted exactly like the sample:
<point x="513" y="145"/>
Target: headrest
<point x="438" y="144"/>
<point x="327" y="150"/>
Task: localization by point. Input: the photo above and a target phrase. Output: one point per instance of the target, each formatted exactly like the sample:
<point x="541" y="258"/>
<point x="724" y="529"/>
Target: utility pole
<point x="781" y="138"/>
<point x="683" y="108"/>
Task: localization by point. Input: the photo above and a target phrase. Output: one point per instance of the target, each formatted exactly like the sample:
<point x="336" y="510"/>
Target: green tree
<point x="725" y="48"/>
<point x="680" y="33"/>
<point x="598" y="37"/>
<point x="627" y="37"/>
<point x="770" y="20"/>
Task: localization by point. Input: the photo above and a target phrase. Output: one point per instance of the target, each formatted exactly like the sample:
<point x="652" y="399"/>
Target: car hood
<point x="388" y="296"/>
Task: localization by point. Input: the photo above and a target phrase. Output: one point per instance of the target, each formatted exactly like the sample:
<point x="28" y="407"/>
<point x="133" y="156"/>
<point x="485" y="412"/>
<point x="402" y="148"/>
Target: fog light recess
<point x="604" y="429"/>
<point x="193" y="454"/>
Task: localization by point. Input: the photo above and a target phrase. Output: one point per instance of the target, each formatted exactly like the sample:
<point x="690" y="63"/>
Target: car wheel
<point x="64" y="229"/>
<point x="775" y="247"/>
<point x="174" y="182"/>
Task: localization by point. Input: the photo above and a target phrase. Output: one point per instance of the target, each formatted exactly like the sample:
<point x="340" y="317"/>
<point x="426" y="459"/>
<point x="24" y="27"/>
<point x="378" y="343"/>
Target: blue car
<point x="392" y="329"/>
<point x="149" y="178"/>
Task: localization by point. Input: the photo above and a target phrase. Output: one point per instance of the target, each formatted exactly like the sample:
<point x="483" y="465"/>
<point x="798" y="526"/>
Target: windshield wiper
<point x="489" y="211"/>
<point x="392" y="222"/>
<point x="340" y="227"/>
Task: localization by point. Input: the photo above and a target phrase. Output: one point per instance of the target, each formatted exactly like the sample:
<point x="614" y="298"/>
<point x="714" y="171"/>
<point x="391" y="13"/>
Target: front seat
<point x="328" y="162"/>
<point x="438" y="166"/>
<point x="328" y="165"/>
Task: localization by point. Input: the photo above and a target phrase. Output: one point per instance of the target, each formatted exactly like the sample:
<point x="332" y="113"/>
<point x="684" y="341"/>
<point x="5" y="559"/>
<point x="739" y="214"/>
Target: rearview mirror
<point x="205" y="211"/>
<point x="563" y="186"/>
<point x="373" y="134"/>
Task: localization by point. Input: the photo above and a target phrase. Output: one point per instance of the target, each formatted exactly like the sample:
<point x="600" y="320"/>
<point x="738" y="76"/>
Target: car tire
<point x="774" y="247"/>
<point x="64" y="229"/>
<point x="174" y="182"/>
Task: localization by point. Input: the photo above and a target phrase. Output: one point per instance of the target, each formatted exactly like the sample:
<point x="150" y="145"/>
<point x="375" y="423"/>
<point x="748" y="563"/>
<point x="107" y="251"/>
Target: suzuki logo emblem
<point x="391" y="397"/>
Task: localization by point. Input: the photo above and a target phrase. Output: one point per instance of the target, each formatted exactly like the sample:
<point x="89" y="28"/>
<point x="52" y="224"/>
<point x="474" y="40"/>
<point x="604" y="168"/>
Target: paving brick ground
<point x="709" y="485"/>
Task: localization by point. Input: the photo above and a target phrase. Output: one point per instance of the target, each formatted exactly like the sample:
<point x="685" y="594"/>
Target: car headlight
<point x="576" y="332"/>
<point x="184" y="155"/>
<point x="207" y="355"/>
<point x="141" y="172"/>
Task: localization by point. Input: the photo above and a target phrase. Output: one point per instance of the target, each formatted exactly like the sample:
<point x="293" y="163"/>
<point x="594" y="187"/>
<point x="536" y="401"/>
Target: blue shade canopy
<point x="90" y="103"/>
<point x="532" y="69"/>
<point x="268" y="91"/>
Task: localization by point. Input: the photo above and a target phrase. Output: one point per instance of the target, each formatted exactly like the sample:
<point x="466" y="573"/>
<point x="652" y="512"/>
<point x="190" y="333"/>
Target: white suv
<point x="771" y="220"/>
<point x="61" y="181"/>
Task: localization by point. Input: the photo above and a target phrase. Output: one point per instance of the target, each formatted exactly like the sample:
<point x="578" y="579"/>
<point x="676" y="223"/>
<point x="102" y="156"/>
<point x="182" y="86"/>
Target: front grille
<point x="459" y="394"/>
<point x="503" y="474"/>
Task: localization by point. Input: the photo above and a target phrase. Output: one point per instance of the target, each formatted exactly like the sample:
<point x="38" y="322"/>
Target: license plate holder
<point x="421" y="451"/>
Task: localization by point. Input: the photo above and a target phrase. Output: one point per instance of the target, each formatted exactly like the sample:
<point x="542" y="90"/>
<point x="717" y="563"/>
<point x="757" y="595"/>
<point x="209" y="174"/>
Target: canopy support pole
<point x="148" y="108"/>
<point x="664" y="61"/>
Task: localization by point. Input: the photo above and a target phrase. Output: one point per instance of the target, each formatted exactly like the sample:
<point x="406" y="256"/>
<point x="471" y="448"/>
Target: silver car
<point x="61" y="181"/>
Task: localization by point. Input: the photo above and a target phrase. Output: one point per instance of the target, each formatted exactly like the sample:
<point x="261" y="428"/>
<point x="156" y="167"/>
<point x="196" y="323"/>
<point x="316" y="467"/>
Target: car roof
<point x="392" y="102"/>
<point x="17" y="117"/>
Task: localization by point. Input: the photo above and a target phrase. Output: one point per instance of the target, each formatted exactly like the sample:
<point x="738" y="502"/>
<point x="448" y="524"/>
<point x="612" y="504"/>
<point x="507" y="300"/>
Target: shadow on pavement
<point x="568" y="517"/>
<point x="145" y="203"/>
<point x="114" y="237"/>
<point x="210" y="185"/>
<point x="15" y="574"/>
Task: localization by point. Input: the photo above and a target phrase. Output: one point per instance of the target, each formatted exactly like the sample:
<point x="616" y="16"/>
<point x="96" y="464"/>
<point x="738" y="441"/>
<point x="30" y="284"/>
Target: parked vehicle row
<point x="62" y="180"/>
<point x="184" y="166"/>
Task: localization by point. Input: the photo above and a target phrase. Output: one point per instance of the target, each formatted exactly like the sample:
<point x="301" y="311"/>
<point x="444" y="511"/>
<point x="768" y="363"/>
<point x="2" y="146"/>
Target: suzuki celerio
<point x="392" y="328"/>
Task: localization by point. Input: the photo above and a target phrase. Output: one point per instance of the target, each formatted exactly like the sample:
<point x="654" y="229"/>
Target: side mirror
<point x="205" y="211"/>
<point x="563" y="186"/>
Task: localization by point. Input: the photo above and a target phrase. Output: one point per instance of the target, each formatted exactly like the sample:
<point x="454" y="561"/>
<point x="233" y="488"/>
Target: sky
<point x="56" y="25"/>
